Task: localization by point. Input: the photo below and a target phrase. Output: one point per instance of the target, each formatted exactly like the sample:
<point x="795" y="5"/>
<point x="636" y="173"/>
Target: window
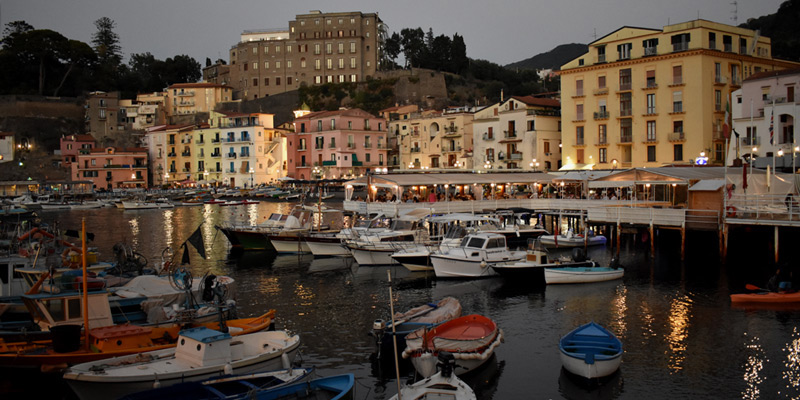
<point x="677" y="102"/>
<point x="601" y="55"/>
<point x="255" y="66"/>
<point x="352" y="47"/>
<point x="651" y="103"/>
<point x="340" y="47"/>
<point x="602" y="135"/>
<point x="651" y="79"/>
<point x="650" y="47"/>
<point x="579" y="87"/>
<point x="266" y="49"/>
<point x="316" y="48"/>
<point x="266" y="81"/>
<point x="625" y="130"/>
<point x="579" y="112"/>
<point x="718" y="73"/>
<point x="302" y="63"/>
<point x="578" y="156"/>
<point x="651" y="153"/>
<point x="317" y="64"/>
<point x="277" y="64"/>
<point x="677" y="127"/>
<point x="266" y="64"/>
<point x="277" y="48"/>
<point x="680" y="42"/>
<point x="341" y="64"/>
<point x="352" y="78"/>
<point x="328" y="48"/>
<point x="651" y="131"/>
<point x="712" y="40"/>
<point x="319" y="126"/>
<point x="329" y="63"/>
<point x="352" y="62"/>
<point x="333" y="124"/>
<point x="625" y="79"/>
<point x="255" y="81"/>
<point x="677" y="152"/>
<point x="625" y="105"/>
<point x="624" y="51"/>
<point x="602" y="155"/>
<point x="288" y="63"/>
<point x="727" y="43"/>
<point x="742" y="46"/>
<point x="718" y="100"/>
<point x="531" y="125"/>
<point x="288" y="80"/>
<point x="579" y="135"/>
<point x="317" y="79"/>
<point x="278" y="81"/>
<point x="677" y="75"/>
<point x="601" y="82"/>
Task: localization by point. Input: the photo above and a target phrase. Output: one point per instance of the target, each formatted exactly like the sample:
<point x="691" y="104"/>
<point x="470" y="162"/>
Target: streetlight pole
<point x="252" y="171"/>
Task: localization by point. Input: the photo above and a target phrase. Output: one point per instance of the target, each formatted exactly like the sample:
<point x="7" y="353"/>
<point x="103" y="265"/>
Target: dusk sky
<point x="502" y="31"/>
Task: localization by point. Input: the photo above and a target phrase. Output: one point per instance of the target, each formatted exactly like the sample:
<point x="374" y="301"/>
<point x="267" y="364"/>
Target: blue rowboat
<point x="337" y="387"/>
<point x="591" y="351"/>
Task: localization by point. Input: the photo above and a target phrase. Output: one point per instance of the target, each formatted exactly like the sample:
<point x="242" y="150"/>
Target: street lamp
<point x="205" y="176"/>
<point x="166" y="178"/>
<point x="252" y="171"/>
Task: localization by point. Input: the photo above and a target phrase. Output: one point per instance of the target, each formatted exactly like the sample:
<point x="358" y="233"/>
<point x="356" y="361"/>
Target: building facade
<point x="102" y="115"/>
<point x="192" y="98"/>
<point x="522" y="132"/>
<point x="317" y="48"/>
<point x="71" y="145"/>
<point x="166" y="162"/>
<point x="650" y="97"/>
<point x="336" y="145"/>
<point x="437" y="140"/>
<point x="6" y="147"/>
<point x="397" y="120"/>
<point x="764" y="112"/>
<point x="111" y="168"/>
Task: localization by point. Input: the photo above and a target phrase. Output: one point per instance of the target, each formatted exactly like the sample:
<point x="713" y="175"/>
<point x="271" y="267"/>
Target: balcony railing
<point x="510" y="134"/>
<point x="171" y="154"/>
<point x="216" y="154"/>
<point x="230" y="155"/>
<point x="186" y="153"/>
<point x="515" y="156"/>
<point x="676" y="137"/>
<point x="579" y="142"/>
<point x="751" y="141"/>
<point x="680" y="46"/>
<point x="601" y="114"/>
<point x="217" y="140"/>
<point x="677" y="106"/>
<point x="452" y="149"/>
<point x="185" y="93"/>
<point x="486" y="136"/>
<point x="351" y="145"/>
<point x="415" y="149"/>
<point x="625" y="112"/>
<point x="367" y="145"/>
<point x="601" y="141"/>
<point x="601" y="58"/>
<point x="626" y="138"/>
<point x="625" y="86"/>
<point x="650" y="51"/>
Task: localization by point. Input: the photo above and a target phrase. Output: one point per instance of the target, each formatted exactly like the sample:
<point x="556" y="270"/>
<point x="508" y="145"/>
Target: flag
<point x="771" y="131"/>
<point x="726" y="126"/>
<point x="185" y="258"/>
<point x="196" y="240"/>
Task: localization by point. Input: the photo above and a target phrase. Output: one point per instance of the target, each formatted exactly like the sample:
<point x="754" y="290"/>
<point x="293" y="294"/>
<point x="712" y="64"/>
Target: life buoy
<point x="730" y="211"/>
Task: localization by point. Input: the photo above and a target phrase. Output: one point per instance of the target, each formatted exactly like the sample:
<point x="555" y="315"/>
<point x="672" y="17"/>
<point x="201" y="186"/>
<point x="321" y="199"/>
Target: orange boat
<point x="112" y="341"/>
<point x="767" y="297"/>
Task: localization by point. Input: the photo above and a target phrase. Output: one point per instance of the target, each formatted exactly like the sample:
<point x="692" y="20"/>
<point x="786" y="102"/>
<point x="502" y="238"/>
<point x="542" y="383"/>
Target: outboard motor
<point x="378" y="328"/>
<point x="447" y="364"/>
<point x="208" y="288"/>
<point x="578" y="255"/>
<point x="614" y="263"/>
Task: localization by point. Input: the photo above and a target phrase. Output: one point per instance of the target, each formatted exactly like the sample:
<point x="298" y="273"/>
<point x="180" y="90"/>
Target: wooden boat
<point x="767" y="298"/>
<point x="471" y="339"/>
<point x="109" y="341"/>
<point x="201" y="353"/>
<point x="577" y="274"/>
<point x="337" y="387"/>
<point x="591" y="351"/>
<point x="424" y="316"/>
<point x="226" y="387"/>
<point x="572" y="240"/>
<point x="442" y="385"/>
<point x="238" y="203"/>
<point x="474" y="257"/>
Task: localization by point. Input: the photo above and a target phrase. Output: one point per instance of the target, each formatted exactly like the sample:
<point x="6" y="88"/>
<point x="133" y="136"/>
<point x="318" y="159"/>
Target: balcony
<point x="579" y="142"/>
<point x="171" y="154"/>
<point x="578" y="93"/>
<point x="332" y="145"/>
<point x="367" y="145"/>
<point x="601" y="114"/>
<point x="201" y="155"/>
<point x="186" y="154"/>
<point x="232" y="139"/>
<point x="358" y="163"/>
<point x="318" y="147"/>
<point x="200" y="141"/>
<point x="650" y="51"/>
<point x="380" y="146"/>
<point x="677" y="107"/>
<point x="680" y="46"/>
<point x="601" y="91"/>
<point x="625" y="86"/>
<point x="329" y="163"/>
<point x="185" y="93"/>
<point x="514" y="157"/>
<point x="216" y="155"/>
<point x="510" y="134"/>
<point x="676" y="137"/>
<point x="185" y="170"/>
<point x="486" y="136"/>
<point x="244" y="155"/>
<point x="217" y="140"/>
<point x="736" y="81"/>
<point x="720" y="80"/>
<point x="230" y="155"/>
<point x="351" y="145"/>
<point x="454" y="149"/>
<point x="231" y="170"/>
<point x="650" y="85"/>
<point x="302" y="148"/>
<point x="625" y="112"/>
<point x="650" y="139"/>
<point x="601" y="58"/>
<point x="579" y="117"/>
<point x="751" y="141"/>
<point x="415" y="149"/>
<point x="626" y="138"/>
<point x="601" y="141"/>
<point x="677" y="81"/>
<point x="451" y="131"/>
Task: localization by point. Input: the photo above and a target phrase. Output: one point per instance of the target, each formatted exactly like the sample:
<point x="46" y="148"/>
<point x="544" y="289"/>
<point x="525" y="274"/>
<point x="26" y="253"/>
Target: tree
<point x="181" y="69"/>
<point x="106" y="44"/>
<point x="76" y="54"/>
<point x="413" y="45"/>
<point x="458" y="54"/>
<point x="392" y="46"/>
<point x="439" y="51"/>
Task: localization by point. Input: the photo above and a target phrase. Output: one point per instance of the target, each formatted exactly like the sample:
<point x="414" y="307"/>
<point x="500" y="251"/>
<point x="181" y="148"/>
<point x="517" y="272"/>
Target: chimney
<point x="501" y="95"/>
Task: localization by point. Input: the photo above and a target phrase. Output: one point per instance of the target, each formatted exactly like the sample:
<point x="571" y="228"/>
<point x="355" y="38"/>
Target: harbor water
<point x="680" y="334"/>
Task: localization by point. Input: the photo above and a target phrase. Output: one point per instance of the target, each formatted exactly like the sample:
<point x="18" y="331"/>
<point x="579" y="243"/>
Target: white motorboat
<point x="326" y="245"/>
<point x="532" y="269"/>
<point x="147" y="205"/>
<point x="201" y="353"/>
<point x="570" y="239"/>
<point x="443" y="385"/>
<point x="376" y="248"/>
<point x="474" y="257"/>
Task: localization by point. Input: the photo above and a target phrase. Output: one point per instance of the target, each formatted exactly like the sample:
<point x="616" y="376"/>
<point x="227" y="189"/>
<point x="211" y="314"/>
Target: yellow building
<point x="191" y="98"/>
<point x="437" y="140"/>
<point x="649" y="97"/>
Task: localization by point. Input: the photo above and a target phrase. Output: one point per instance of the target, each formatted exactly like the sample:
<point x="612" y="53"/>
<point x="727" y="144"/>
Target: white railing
<point x="766" y="207"/>
<point x="394" y="209"/>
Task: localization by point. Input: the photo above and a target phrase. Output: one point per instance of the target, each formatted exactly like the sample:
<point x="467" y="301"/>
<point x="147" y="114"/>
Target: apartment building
<point x="111" y="168"/>
<point x="437" y="140"/>
<point x="764" y="112"/>
<point x="336" y="144"/>
<point x="169" y="150"/>
<point x="397" y="120"/>
<point x="71" y="145"/>
<point x="250" y="147"/>
<point x="649" y="97"/>
<point x="102" y="115"/>
<point x="191" y="98"/>
<point x="317" y="48"/>
<point x="521" y="132"/>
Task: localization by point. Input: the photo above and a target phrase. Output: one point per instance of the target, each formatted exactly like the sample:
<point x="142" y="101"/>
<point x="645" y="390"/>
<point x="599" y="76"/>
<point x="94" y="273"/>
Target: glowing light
<point x="752" y="368"/>
<point x="680" y="312"/>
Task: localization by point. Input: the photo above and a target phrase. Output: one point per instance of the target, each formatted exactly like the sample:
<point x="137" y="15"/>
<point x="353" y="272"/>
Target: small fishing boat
<point x="471" y="339"/>
<point x="424" y="316"/>
<point x="590" y="351"/>
<point x="442" y="385"/>
<point x="537" y="261"/>
<point x="583" y="273"/>
<point x="201" y="353"/>
<point x="337" y="387"/>
<point x="238" y="203"/>
<point x="570" y="239"/>
<point x="765" y="297"/>
<point x="474" y="257"/>
<point x="222" y="388"/>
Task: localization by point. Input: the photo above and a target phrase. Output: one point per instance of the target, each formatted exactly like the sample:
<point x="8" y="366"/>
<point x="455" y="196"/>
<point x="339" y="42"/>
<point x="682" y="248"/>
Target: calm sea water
<point x="682" y="338"/>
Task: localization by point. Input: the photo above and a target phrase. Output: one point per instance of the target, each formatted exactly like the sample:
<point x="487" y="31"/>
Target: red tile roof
<point x="81" y="138"/>
<point x="772" y="74"/>
<point x="535" y="101"/>
<point x="198" y="85"/>
<point x="351" y="112"/>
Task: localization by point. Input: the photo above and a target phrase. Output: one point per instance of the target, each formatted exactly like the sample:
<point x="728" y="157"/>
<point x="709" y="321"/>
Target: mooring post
<point x="776" y="244"/>
<point x="619" y="234"/>
<point x="652" y="241"/>
<point x="683" y="242"/>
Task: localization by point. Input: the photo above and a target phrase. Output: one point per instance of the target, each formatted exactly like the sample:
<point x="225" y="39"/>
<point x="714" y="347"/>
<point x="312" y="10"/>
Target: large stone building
<point x="521" y="132"/>
<point x="764" y="112"/>
<point x="649" y="97"/>
<point x="317" y="48"/>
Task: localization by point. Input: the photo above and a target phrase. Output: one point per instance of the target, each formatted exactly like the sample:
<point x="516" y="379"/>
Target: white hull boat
<point x="581" y="274"/>
<point x="327" y="247"/>
<point x="145" y="205"/>
<point x="571" y="240"/>
<point x="591" y="351"/>
<point x="443" y="385"/>
<point x="290" y="244"/>
<point x="474" y="257"/>
<point x="201" y="353"/>
<point x="372" y="256"/>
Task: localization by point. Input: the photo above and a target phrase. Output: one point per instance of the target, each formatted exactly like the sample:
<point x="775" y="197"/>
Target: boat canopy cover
<point x="447" y="309"/>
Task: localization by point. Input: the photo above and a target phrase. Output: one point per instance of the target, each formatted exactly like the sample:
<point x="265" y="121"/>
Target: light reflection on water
<point x="752" y="368"/>
<point x="676" y="327"/>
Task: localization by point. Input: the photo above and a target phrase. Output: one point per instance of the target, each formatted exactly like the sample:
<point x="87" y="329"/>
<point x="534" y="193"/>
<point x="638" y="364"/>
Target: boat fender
<point x="156" y="383"/>
<point x="228" y="369"/>
<point x="285" y="361"/>
<point x="483" y="263"/>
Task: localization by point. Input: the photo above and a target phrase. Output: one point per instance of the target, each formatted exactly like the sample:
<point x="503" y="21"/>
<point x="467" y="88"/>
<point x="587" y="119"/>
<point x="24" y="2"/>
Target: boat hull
<point x="326" y="247"/>
<point x="581" y="275"/>
<point x="449" y="267"/>
<point x="599" y="369"/>
<point x="289" y="244"/>
<point x="414" y="261"/>
<point x="574" y="241"/>
<point x="767" y="298"/>
<point x="247" y="239"/>
<point x="373" y="257"/>
<point x="590" y="351"/>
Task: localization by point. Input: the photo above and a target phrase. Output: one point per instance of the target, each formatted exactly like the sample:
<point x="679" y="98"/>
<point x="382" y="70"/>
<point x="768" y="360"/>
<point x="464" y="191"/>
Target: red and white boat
<point x="471" y="339"/>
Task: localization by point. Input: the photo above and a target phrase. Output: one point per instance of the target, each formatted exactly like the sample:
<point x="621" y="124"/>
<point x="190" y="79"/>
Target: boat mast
<point x="394" y="331"/>
<point x="85" y="285"/>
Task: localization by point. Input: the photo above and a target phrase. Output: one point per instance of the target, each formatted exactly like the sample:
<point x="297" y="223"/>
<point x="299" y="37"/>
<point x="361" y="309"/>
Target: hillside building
<point x="436" y="139"/>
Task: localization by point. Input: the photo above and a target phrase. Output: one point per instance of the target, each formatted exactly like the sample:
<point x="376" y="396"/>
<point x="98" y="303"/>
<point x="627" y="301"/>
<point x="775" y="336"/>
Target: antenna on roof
<point x="735" y="17"/>
<point x="595" y="34"/>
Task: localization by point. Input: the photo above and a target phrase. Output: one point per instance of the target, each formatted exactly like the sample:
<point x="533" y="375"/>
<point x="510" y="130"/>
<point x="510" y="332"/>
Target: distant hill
<point x="553" y="59"/>
<point x="782" y="28"/>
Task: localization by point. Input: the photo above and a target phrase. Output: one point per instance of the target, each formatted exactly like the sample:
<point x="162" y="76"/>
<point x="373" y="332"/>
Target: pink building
<point x="336" y="144"/>
<point x="71" y="146"/>
<point x="111" y="168"/>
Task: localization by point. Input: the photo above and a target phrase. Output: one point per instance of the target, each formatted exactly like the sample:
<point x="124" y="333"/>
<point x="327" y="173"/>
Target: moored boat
<point x="537" y="262"/>
<point x="201" y="353"/>
<point x="590" y="351"/>
<point x="474" y="257"/>
<point x="424" y="316"/>
<point x="570" y="239"/>
<point x="764" y="297"/>
<point x="471" y="339"/>
<point x="336" y="387"/>
<point x="444" y="384"/>
<point x="225" y="387"/>
<point x="582" y="274"/>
